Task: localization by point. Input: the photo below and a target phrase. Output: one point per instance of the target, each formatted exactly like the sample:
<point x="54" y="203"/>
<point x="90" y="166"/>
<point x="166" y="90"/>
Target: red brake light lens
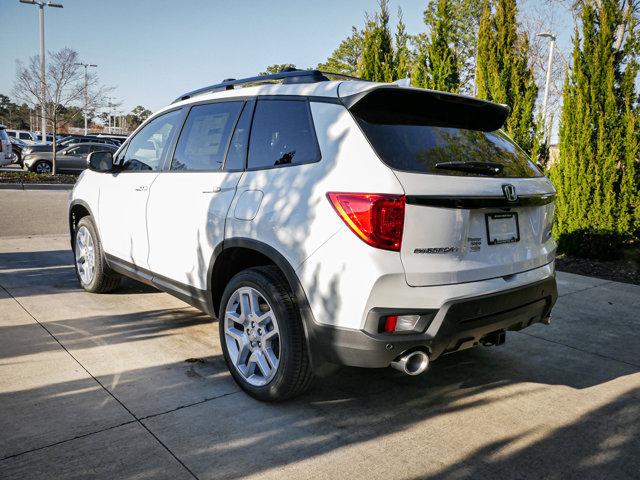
<point x="390" y="323"/>
<point x="376" y="218"/>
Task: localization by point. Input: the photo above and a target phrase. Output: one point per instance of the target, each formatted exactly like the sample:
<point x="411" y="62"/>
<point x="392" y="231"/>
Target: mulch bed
<point x="30" y="177"/>
<point x="626" y="269"/>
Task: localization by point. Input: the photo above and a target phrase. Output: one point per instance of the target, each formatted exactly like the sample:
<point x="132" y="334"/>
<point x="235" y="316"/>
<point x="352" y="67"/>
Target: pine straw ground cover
<point x="624" y="269"/>
<point x="31" y="177"/>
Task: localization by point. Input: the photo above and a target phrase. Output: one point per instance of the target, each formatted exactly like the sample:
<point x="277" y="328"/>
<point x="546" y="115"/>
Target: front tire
<point x="42" y="166"/>
<point x="92" y="271"/>
<point x="262" y="336"/>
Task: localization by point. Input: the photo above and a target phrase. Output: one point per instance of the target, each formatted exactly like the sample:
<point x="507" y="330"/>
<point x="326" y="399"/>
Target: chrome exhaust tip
<point x="413" y="363"/>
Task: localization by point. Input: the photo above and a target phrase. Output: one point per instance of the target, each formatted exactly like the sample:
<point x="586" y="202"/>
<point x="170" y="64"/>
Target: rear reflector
<point x="401" y="323"/>
<point x="390" y="323"/>
<point x="376" y="218"/>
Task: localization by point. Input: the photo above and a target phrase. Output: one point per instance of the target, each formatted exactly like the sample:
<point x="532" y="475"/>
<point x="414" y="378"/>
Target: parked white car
<point x="26" y="136"/>
<point x="6" y="151"/>
<point x="325" y="223"/>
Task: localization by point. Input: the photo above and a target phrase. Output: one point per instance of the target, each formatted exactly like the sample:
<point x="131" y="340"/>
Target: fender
<point x="86" y="206"/>
<point x="320" y="365"/>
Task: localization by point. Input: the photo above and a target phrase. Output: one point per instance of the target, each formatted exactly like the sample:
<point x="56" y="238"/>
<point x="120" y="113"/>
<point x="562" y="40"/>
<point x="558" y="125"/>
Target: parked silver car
<point x="72" y="159"/>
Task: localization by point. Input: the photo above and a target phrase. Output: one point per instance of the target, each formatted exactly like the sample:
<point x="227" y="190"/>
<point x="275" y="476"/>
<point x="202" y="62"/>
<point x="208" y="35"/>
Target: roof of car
<point x="348" y="90"/>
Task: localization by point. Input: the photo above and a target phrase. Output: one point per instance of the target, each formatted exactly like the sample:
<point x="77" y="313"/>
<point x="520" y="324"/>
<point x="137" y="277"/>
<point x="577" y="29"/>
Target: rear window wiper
<point x="485" y="168"/>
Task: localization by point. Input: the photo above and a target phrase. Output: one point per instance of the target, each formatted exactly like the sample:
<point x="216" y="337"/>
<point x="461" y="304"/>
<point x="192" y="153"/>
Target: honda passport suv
<point x="324" y="223"/>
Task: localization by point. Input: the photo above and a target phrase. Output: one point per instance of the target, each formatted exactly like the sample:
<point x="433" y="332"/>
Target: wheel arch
<point x="236" y="254"/>
<point x="78" y="209"/>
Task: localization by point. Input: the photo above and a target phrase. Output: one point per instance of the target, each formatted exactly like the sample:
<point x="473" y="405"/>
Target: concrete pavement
<point x="33" y="212"/>
<point x="132" y="384"/>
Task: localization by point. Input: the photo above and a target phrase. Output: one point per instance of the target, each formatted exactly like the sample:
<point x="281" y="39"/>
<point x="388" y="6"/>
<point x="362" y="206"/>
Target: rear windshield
<point x="419" y="148"/>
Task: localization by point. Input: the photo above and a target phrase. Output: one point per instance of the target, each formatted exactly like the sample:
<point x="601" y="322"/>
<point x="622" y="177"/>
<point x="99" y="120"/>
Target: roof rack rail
<point x="288" y="76"/>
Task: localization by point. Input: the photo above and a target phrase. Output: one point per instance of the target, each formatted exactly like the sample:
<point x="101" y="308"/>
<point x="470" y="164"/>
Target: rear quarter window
<point x="282" y="135"/>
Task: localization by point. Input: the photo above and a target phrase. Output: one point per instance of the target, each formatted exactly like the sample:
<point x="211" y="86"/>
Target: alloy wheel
<point x="252" y="336"/>
<point x="85" y="255"/>
<point x="43" y="167"/>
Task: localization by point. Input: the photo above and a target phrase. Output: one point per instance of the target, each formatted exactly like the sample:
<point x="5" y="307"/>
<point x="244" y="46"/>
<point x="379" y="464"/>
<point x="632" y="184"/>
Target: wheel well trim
<point x="268" y="251"/>
<point x="83" y="204"/>
<point x="318" y="362"/>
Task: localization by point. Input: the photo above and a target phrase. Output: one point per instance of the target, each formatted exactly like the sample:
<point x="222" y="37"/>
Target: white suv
<point x="325" y="223"/>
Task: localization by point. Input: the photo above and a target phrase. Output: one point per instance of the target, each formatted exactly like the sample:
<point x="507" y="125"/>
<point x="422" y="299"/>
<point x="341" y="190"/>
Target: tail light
<point x="376" y="218"/>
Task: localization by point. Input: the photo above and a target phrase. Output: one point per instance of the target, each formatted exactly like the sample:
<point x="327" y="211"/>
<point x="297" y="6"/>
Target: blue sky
<point x="154" y="50"/>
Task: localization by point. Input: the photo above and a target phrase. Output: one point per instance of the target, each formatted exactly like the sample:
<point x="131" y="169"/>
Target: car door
<point x="124" y="193"/>
<point x="189" y="201"/>
<point x="71" y="158"/>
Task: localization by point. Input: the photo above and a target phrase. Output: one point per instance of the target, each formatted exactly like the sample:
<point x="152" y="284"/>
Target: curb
<point x="36" y="186"/>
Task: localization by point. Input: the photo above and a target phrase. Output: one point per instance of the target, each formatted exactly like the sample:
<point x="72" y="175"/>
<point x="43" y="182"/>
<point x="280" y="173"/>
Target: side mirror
<point x="100" y="161"/>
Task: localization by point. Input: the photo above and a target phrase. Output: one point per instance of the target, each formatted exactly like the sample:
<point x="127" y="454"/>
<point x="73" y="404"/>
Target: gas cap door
<point x="248" y="205"/>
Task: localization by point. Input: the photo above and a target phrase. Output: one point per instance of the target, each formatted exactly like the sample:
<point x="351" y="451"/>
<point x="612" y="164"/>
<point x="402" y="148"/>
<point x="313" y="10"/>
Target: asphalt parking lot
<point x="132" y="384"/>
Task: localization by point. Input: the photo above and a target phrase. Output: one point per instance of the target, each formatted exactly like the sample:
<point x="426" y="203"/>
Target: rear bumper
<point x="458" y="325"/>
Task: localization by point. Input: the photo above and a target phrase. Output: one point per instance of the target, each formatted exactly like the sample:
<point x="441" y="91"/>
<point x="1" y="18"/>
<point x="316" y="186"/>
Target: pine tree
<point x="346" y="57"/>
<point x="503" y="74"/>
<point x="596" y="174"/>
<point x="377" y="62"/>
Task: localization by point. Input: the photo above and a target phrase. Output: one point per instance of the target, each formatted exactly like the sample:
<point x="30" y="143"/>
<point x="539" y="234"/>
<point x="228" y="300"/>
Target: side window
<point x="73" y="150"/>
<point x="147" y="147"/>
<point x="13" y="134"/>
<point x="205" y="136"/>
<point x="83" y="149"/>
<point x="237" y="152"/>
<point x="282" y="134"/>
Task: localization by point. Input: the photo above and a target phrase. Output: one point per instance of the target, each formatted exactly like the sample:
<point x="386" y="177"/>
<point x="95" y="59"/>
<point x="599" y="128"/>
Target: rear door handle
<point x="142" y="188"/>
<point x="213" y="190"/>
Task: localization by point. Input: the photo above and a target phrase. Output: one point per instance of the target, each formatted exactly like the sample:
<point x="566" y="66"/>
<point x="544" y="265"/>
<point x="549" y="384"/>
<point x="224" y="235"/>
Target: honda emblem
<point x="509" y="192"/>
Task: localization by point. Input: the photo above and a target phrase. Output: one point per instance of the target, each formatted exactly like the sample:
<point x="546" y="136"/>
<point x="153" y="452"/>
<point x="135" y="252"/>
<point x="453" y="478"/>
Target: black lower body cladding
<point x="465" y="324"/>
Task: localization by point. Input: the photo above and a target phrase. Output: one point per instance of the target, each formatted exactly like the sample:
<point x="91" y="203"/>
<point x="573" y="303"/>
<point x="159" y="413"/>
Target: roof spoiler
<point x="416" y="106"/>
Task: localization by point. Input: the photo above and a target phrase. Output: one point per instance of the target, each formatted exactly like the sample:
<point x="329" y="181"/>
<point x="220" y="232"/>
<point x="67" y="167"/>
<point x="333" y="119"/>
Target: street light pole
<point x="552" y="43"/>
<point x="86" y="93"/>
<point x="43" y="85"/>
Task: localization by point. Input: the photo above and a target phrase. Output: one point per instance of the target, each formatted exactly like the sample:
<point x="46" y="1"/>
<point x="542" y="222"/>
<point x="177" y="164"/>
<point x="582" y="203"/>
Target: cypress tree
<point x="596" y="174"/>
<point x="486" y="45"/>
<point x="402" y="58"/>
<point x="503" y="74"/>
<point x="442" y="61"/>
<point x="377" y="63"/>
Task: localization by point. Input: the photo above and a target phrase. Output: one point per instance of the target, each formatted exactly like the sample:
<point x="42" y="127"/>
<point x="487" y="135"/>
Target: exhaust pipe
<point x="413" y="363"/>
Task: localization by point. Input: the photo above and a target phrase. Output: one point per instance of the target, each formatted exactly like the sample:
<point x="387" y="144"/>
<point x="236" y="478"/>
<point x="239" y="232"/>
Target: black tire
<point x="43" y="164"/>
<point x="294" y="375"/>
<point x="104" y="279"/>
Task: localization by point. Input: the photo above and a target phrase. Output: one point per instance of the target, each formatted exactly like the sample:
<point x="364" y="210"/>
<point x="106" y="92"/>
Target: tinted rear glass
<point x="282" y="134"/>
<point x="418" y="148"/>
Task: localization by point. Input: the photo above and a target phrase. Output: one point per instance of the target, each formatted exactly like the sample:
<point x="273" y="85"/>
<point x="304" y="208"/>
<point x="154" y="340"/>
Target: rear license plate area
<point x="502" y="228"/>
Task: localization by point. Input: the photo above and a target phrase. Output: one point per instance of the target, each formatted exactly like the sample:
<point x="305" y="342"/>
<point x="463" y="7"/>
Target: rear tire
<point x="262" y="336"/>
<point x="92" y="270"/>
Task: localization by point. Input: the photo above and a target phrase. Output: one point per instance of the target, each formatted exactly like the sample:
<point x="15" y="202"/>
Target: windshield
<point x="430" y="149"/>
